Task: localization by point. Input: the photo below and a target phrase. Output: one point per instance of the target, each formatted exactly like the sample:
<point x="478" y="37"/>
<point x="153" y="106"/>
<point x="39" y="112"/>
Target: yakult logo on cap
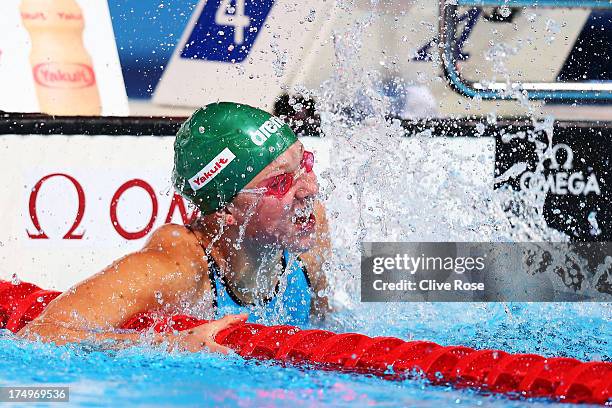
<point x="267" y="129"/>
<point x="212" y="169"/>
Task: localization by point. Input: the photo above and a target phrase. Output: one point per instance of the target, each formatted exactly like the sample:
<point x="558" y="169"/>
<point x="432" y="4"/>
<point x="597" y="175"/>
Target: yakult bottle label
<point x="67" y="75"/>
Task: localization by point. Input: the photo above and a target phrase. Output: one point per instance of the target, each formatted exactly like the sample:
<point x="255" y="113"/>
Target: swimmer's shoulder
<point x="182" y="253"/>
<point x="178" y="243"/>
<point x="170" y="236"/>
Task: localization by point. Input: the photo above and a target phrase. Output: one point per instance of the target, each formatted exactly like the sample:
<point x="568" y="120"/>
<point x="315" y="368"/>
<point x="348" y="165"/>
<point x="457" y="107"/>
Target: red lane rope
<point x="525" y="375"/>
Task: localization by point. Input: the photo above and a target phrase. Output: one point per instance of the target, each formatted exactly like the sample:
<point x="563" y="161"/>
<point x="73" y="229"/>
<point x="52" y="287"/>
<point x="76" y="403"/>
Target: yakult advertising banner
<point x="59" y="57"/>
<point x="73" y="204"/>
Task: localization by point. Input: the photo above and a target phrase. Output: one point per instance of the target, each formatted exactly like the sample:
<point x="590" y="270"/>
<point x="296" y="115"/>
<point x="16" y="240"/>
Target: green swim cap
<point x="221" y="148"/>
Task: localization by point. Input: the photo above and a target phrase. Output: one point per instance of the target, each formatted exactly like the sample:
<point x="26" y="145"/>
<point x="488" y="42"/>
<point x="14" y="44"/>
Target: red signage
<point x="40" y="234"/>
<point x="176" y="204"/>
<point x="113" y="209"/>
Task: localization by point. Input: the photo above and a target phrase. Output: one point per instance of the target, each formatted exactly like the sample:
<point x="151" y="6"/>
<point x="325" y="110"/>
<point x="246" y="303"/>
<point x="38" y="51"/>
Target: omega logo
<point x="176" y="204"/>
<point x="561" y="182"/>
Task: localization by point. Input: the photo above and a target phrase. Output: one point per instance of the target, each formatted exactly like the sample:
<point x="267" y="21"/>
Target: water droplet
<point x="201" y="129"/>
<point x="480" y="128"/>
<point x="592" y="219"/>
<point x="311" y="16"/>
<point x="15" y="280"/>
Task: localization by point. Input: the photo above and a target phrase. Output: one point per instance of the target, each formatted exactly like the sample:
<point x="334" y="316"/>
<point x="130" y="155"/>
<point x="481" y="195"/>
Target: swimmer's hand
<point x="202" y="338"/>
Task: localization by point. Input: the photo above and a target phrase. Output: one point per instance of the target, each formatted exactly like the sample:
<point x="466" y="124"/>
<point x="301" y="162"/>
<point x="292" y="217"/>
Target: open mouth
<point x="304" y="218"/>
<point x="306" y="223"/>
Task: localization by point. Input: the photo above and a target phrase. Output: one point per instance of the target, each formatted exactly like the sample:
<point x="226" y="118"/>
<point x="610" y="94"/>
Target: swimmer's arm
<point x="196" y="339"/>
<point x="60" y="335"/>
<point x="139" y="282"/>
<point x="315" y="261"/>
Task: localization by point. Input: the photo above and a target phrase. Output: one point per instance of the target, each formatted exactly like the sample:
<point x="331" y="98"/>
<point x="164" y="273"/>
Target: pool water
<point x="143" y="376"/>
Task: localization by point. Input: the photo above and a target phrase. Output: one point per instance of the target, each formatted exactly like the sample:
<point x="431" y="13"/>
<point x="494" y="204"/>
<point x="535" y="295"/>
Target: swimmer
<point x="258" y="246"/>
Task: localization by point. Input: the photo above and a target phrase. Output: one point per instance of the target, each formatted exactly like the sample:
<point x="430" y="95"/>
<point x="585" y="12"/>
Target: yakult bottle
<point x="62" y="69"/>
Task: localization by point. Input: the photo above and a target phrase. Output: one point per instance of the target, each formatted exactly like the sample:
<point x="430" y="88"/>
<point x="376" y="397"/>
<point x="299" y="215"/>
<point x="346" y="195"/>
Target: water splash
<point x="384" y="186"/>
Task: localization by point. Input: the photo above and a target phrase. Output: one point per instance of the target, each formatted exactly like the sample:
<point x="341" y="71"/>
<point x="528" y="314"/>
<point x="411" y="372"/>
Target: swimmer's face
<point x="286" y="220"/>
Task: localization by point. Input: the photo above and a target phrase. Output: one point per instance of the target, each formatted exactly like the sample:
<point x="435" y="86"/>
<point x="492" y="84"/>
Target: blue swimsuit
<point x="291" y="306"/>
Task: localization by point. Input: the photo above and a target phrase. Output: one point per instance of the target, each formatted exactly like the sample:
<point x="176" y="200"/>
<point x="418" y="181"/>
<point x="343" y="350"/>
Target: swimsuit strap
<point x="214" y="271"/>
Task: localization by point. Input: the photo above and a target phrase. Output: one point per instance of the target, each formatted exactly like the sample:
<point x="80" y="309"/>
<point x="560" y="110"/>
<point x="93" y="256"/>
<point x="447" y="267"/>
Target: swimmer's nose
<point x="308" y="186"/>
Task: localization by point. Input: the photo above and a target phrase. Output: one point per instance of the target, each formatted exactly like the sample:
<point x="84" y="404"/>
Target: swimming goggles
<point x="278" y="186"/>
